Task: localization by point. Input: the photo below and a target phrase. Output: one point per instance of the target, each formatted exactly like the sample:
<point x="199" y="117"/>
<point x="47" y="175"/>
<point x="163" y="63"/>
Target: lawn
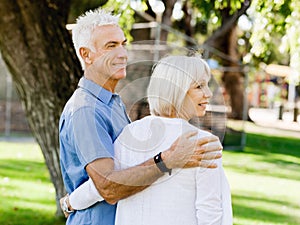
<point x="27" y="196"/>
<point x="264" y="179"/>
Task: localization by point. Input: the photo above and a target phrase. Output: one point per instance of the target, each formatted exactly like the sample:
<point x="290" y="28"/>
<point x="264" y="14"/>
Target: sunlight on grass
<point x="26" y="192"/>
<point x="264" y="179"/>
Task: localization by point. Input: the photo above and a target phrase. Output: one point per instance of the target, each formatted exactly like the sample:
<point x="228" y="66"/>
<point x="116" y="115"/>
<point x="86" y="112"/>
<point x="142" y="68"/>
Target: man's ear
<point x="85" y="54"/>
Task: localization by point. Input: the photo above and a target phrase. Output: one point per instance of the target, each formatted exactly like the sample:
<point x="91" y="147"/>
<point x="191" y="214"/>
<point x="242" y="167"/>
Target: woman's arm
<point x="209" y="195"/>
<point x="84" y="196"/>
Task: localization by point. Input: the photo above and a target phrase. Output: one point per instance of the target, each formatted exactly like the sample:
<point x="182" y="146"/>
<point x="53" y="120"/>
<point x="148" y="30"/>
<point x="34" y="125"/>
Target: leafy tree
<point x="222" y="18"/>
<point x="275" y="35"/>
<point x="38" y="52"/>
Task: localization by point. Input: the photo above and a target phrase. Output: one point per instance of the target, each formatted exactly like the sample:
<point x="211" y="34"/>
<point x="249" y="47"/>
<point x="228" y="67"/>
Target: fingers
<point x="190" y="134"/>
<point x="206" y="164"/>
<point x="207" y="139"/>
<point x="209" y="148"/>
<point x="207" y="156"/>
<point x="203" y="164"/>
<point x="210" y="156"/>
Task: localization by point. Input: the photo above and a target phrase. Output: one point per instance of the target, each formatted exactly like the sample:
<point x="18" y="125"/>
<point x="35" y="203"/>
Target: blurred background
<point x="252" y="47"/>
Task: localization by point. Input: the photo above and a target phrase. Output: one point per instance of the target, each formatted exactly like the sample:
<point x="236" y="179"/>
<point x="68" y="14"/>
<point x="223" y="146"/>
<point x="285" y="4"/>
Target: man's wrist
<point x="160" y="164"/>
<point x="66" y="205"/>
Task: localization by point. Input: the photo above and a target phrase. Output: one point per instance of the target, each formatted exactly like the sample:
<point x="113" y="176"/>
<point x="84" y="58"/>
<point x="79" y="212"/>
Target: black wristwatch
<point x="161" y="165"/>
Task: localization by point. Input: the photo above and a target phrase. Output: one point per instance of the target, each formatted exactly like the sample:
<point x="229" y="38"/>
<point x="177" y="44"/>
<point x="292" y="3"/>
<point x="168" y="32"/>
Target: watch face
<point x="65" y="207"/>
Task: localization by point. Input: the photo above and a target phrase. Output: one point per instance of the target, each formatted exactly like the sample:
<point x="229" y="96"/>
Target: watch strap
<point x="161" y="165"/>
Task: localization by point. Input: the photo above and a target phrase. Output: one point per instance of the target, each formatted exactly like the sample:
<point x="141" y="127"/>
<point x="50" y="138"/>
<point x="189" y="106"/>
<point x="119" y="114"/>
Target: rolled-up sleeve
<point x="91" y="137"/>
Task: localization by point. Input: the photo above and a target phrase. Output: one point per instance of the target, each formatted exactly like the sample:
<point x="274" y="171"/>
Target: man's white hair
<point x="85" y="24"/>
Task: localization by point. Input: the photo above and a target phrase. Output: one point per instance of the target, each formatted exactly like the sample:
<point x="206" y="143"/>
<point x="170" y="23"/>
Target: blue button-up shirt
<point x="90" y="122"/>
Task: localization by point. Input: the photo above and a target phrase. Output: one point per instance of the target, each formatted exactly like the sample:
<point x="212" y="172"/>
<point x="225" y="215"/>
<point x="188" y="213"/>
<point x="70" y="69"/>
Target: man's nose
<point x="122" y="52"/>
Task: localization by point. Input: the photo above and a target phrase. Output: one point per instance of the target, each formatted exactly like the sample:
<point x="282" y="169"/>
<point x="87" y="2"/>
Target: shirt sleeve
<point x="208" y="196"/>
<point x="208" y="193"/>
<point x="91" y="136"/>
<point x="85" y="196"/>
<point x="227" y="217"/>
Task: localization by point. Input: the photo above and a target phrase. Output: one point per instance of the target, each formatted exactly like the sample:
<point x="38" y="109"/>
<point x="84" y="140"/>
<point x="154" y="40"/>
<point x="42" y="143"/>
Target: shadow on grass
<point x="280" y="157"/>
<point x="278" y="145"/>
<point x="13" y="215"/>
<point x="245" y="211"/>
<point x="25" y="169"/>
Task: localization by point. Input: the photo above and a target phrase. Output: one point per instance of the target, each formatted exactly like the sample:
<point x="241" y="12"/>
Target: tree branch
<point x="221" y="31"/>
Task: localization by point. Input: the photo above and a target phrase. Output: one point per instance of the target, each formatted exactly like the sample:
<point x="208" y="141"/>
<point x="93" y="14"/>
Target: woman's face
<point x="196" y="99"/>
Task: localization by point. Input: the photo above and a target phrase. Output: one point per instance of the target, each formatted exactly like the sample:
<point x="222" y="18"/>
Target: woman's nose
<point x="207" y="92"/>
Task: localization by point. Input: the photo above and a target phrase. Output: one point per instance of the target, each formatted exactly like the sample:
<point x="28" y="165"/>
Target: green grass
<point x="26" y="193"/>
<point x="264" y="179"/>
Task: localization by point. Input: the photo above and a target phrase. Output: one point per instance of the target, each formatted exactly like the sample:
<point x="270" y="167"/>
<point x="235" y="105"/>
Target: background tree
<point x="275" y="34"/>
<point x="38" y="52"/>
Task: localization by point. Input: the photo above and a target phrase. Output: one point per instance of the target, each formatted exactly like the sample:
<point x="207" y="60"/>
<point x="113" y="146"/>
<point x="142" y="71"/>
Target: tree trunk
<point x="225" y="40"/>
<point x="233" y="78"/>
<point x="38" y="52"/>
<point x="187" y="19"/>
<point x="166" y="18"/>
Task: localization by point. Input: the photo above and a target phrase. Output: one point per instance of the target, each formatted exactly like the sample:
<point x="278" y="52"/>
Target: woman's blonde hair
<point x="171" y="78"/>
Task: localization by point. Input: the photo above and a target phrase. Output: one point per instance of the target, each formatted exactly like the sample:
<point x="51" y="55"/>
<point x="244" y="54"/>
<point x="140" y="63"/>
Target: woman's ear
<point x="85" y="55"/>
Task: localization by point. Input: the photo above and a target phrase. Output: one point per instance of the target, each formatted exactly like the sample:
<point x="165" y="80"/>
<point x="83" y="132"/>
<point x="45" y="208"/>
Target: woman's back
<point x="171" y="200"/>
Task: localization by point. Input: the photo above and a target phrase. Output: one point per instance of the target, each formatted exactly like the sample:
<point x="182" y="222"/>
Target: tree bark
<point x="224" y="39"/>
<point x="166" y="18"/>
<point x="38" y="52"/>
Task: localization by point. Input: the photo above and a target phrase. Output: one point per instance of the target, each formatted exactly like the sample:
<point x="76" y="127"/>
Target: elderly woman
<point x="178" y="91"/>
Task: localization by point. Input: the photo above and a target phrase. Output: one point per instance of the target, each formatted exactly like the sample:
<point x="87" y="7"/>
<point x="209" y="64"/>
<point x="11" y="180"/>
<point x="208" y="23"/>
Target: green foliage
<point x="269" y="25"/>
<point x="210" y="9"/>
<point x="276" y="33"/>
<point x="78" y="7"/>
<point x="126" y="13"/>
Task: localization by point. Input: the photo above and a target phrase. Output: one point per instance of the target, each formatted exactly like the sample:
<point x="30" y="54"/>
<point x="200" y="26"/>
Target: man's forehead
<point x="106" y="30"/>
<point x="108" y="33"/>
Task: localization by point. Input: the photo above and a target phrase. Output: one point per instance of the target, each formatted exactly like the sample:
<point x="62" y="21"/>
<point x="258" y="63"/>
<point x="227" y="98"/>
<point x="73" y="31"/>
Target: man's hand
<point x="187" y="153"/>
<point x="65" y="204"/>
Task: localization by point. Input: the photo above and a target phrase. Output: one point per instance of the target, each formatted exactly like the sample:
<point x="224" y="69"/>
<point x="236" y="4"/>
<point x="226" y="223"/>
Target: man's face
<point x="110" y="58"/>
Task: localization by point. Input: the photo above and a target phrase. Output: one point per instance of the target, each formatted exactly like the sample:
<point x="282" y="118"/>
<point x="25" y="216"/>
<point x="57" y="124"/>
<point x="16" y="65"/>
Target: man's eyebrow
<point x="115" y="42"/>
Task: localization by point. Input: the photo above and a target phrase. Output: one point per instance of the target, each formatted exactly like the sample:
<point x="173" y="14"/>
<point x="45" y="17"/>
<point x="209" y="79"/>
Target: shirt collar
<point x="96" y="90"/>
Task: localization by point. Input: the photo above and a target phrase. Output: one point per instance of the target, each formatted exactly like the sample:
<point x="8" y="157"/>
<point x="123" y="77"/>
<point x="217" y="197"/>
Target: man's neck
<point x="108" y="84"/>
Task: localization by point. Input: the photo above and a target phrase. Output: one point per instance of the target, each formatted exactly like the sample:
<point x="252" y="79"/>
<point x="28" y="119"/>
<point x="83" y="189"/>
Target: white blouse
<point x="188" y="197"/>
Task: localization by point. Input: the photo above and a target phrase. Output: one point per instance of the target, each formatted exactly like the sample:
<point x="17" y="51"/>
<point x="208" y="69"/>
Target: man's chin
<point x="120" y="75"/>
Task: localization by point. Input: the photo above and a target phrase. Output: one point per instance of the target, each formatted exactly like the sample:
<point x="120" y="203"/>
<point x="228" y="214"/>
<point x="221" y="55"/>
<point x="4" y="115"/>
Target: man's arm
<point x="114" y="185"/>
